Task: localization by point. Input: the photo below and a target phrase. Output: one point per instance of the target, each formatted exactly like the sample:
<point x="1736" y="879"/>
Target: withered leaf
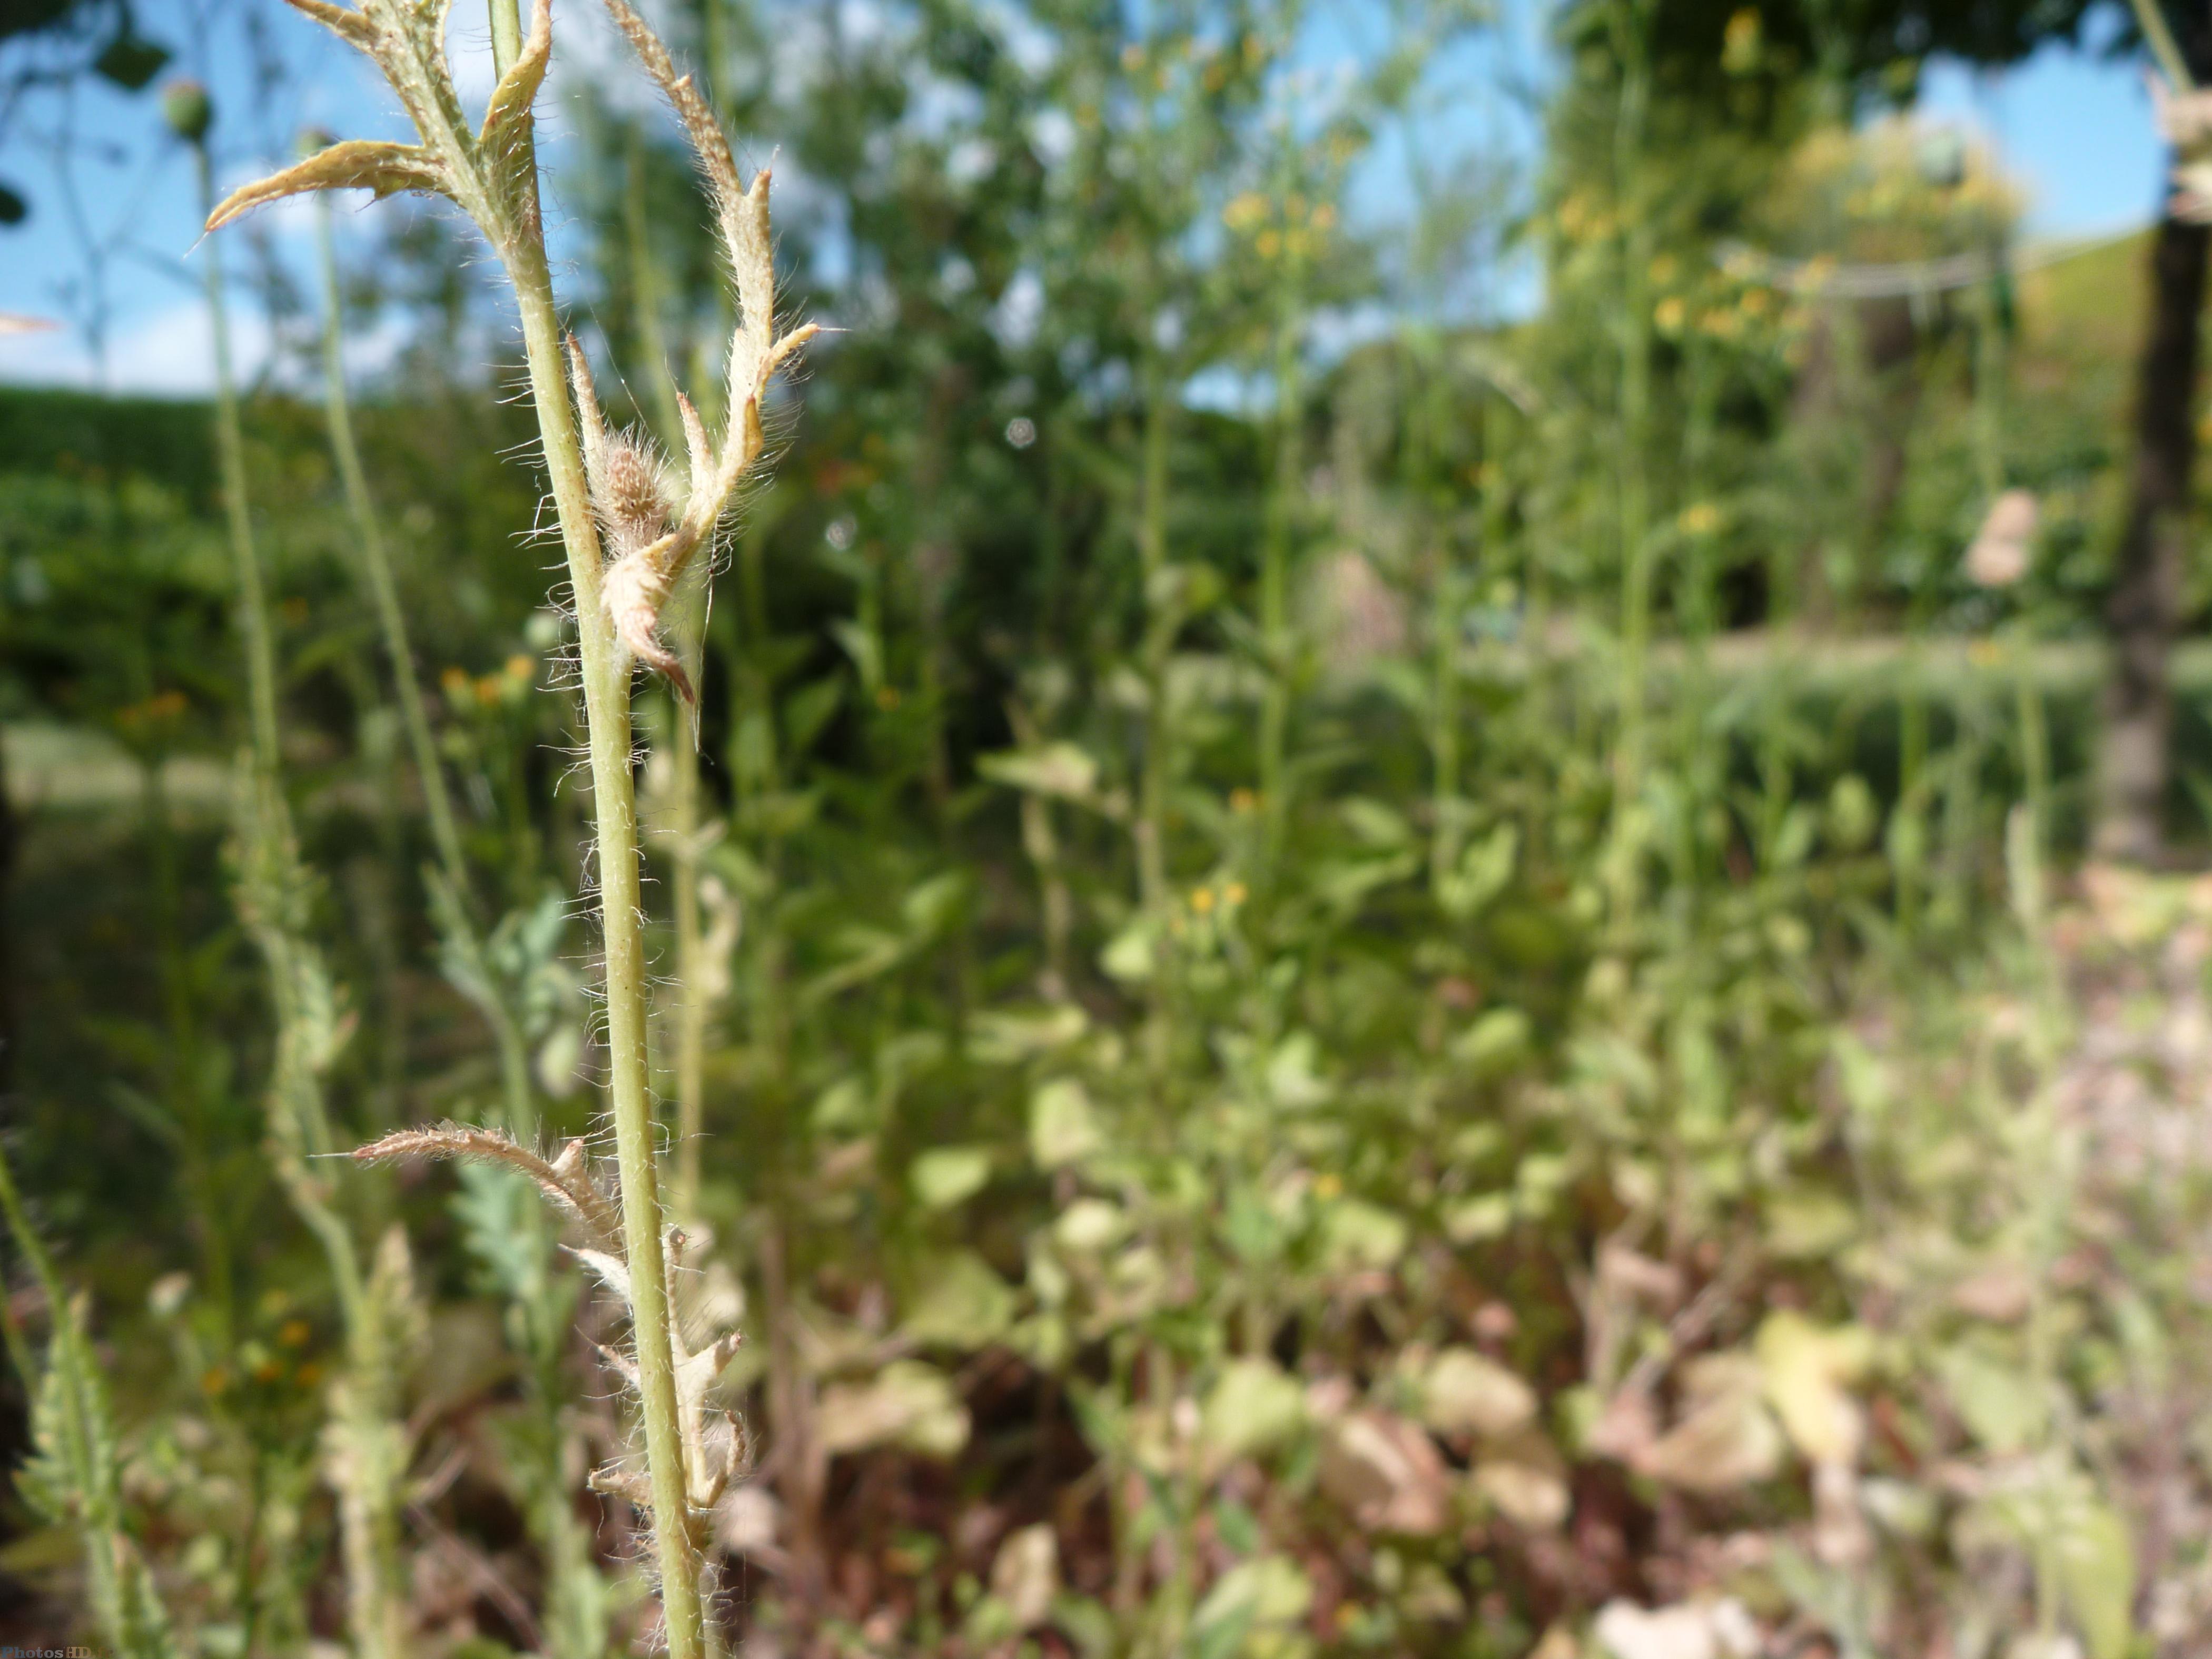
<point x="511" y="99"/>
<point x="349" y="24"/>
<point x="357" y="164"/>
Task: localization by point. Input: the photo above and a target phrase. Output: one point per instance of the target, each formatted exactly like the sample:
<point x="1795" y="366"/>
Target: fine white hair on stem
<point x="641" y="577"/>
<point x="618" y="503"/>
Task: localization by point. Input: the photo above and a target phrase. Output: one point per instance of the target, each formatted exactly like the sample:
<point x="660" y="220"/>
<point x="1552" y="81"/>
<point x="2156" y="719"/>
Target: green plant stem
<point x="506" y="33"/>
<point x="690" y="1009"/>
<point x="273" y="886"/>
<point x="376" y="563"/>
<point x="1634" y="414"/>
<point x="1990" y="364"/>
<point x="391" y="617"/>
<point x="1275" y="557"/>
<point x="230" y="454"/>
<point x="1150" y="827"/>
<point x="2162" y="45"/>
<point x="756" y="770"/>
<point x="1041" y="844"/>
<point x="1443" y="723"/>
<point x="1447" y="607"/>
<point x="568" y="1622"/>
<point x="606" y="678"/>
<point x="605" y="670"/>
<point x="1912" y="766"/>
<point x="679" y="733"/>
<point x="2034" y="753"/>
<point x="1697" y="609"/>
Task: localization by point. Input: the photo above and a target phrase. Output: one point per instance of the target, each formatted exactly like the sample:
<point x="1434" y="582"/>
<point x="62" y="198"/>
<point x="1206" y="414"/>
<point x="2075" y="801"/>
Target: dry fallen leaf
<point x="1386" y="1471"/>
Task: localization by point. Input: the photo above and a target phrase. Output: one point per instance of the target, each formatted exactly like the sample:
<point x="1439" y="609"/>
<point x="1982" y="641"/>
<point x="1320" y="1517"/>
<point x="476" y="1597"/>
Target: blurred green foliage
<point x="1379" y="977"/>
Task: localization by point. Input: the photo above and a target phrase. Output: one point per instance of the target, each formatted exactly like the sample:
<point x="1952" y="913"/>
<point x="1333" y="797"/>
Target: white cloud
<point x="170" y="353"/>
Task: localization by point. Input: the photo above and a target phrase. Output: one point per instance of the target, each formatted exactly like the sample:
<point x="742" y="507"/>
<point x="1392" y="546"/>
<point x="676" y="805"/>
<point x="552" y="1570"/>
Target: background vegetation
<point x="1342" y="966"/>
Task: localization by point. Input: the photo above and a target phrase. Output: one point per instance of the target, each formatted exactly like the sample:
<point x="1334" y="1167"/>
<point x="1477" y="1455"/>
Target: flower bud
<point x="188" y="110"/>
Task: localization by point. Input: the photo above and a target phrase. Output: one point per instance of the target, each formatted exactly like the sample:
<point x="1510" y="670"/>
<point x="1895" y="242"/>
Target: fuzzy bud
<point x="633" y="495"/>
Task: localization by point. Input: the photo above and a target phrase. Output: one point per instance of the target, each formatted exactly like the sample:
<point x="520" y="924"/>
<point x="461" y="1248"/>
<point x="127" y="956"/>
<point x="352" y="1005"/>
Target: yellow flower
<point x="520" y="667"/>
<point x="1668" y="315"/>
<point x="1699" y="518"/>
<point x="1245" y="210"/>
<point x="1242" y="799"/>
<point x="1328" y="1186"/>
<point x="1269" y="244"/>
<point x="1201" y="899"/>
<point x="454" y="683"/>
<point x="1235" y="894"/>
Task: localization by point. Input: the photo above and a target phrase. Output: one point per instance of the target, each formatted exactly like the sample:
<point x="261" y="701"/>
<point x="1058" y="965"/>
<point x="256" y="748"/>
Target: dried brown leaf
<point x="340" y="20"/>
<point x="355" y="164"/>
<point x="564" y="1181"/>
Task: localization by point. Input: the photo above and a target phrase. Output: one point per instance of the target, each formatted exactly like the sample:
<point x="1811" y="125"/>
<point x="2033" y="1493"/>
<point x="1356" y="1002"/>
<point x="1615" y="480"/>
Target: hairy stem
<point x="571" y="1626"/>
<point x="457" y="923"/>
<point x="679" y="734"/>
<point x="273" y="896"/>
<point x="606" y="678"/>
<point x="230" y="454"/>
<point x="376" y="566"/>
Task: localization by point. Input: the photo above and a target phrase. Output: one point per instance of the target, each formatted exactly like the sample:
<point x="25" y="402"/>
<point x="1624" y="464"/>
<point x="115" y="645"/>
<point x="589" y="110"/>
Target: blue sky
<point x="2075" y="126"/>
